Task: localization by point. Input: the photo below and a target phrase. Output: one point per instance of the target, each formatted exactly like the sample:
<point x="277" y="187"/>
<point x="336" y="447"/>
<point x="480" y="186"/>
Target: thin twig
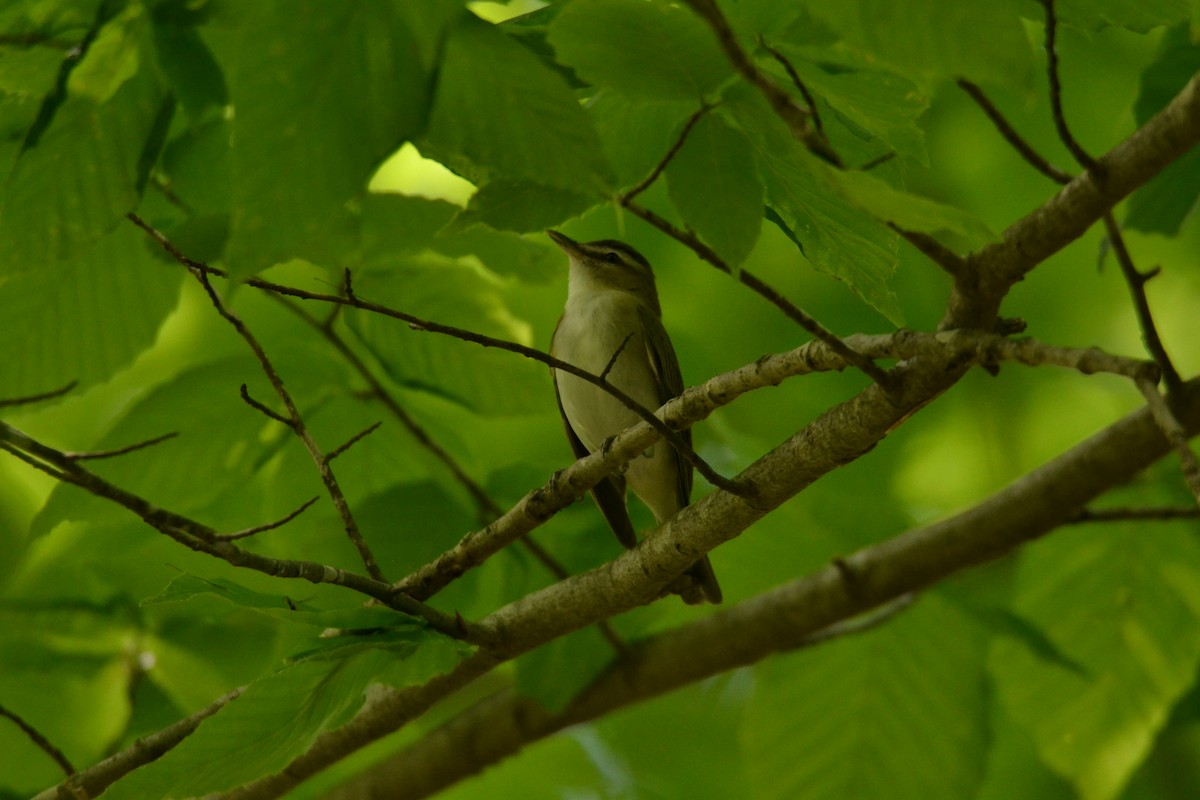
<point x="264" y="410"/>
<point x="1136" y="280"/>
<point x="92" y="455"/>
<point x="203" y="539"/>
<point x="1060" y="119"/>
<point x="37" y="398"/>
<point x="954" y="264"/>
<point x="645" y="183"/>
<point x="1133" y="514"/>
<point x="1175" y="433"/>
<point x="488" y="508"/>
<point x="351" y="299"/>
<point x="44" y="744"/>
<point x="612" y="362"/>
<point x="878" y="161"/>
<point x="349" y="524"/>
<point x="1011" y="136"/>
<point x="794" y="116"/>
<point x="351" y="442"/>
<point x="707" y="254"/>
<point x="243" y="534"/>
<point x="809" y="100"/>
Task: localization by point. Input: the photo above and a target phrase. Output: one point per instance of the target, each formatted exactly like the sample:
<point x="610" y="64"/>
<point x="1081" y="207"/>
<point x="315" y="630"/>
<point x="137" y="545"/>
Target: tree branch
<point x="780" y="619"/>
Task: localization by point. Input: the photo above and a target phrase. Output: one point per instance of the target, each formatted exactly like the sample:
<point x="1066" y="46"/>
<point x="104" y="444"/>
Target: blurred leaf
<point x="637" y="132"/>
<point x="303" y="143"/>
<point x="219" y="440"/>
<point x="1136" y="15"/>
<point x="86" y="318"/>
<point x="396" y="224"/>
<point x="1126" y="606"/>
<point x="195" y="76"/>
<point x="1165" y="201"/>
<point x="835" y="236"/>
<point x="186" y="587"/>
<point x="520" y="122"/>
<point x="882" y="103"/>
<point x="518" y="206"/>
<point x="554" y="673"/>
<point x="902" y="703"/>
<point x="934" y="39"/>
<point x="451" y="293"/>
<point x="275" y="719"/>
<point x="67" y="190"/>
<point x="654" y="49"/>
<point x="908" y="211"/>
<point x="713" y="183"/>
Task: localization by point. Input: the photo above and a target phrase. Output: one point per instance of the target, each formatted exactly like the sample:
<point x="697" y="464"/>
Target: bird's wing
<point x="670" y="384"/>
<point x="610" y="492"/>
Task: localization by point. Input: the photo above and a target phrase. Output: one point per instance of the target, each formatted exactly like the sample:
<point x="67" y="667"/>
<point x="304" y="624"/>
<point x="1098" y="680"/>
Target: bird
<point x="612" y="326"/>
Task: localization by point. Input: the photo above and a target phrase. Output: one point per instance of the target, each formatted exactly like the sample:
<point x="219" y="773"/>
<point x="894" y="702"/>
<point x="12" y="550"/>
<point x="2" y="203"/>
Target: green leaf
<point x="1162" y="204"/>
<point x="66" y="189"/>
<point x="86" y="318"/>
<point x="713" y="183"/>
<point x="1136" y="15"/>
<point x="397" y="224"/>
<point x="653" y="49"/>
<point x="1127" y="607"/>
<point x="323" y="92"/>
<point x="221" y="439"/>
<point x="908" y="211"/>
<point x="834" y="235"/>
<point x="453" y="293"/>
<point x="522" y="207"/>
<point x="186" y="587"/>
<point x="195" y="76"/>
<point x="884" y="104"/>
<point x="896" y="712"/>
<point x="275" y="720"/>
<point x="520" y="122"/>
<point x="934" y="39"/>
<point x="637" y="132"/>
<point x="556" y="672"/>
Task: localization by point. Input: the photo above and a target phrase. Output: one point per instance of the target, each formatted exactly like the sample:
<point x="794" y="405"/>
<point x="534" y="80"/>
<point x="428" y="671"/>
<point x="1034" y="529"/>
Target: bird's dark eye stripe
<point x="608" y="247"/>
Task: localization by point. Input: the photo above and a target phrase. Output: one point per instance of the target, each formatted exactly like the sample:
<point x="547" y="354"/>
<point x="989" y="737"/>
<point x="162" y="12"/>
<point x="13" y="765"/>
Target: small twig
<point x="954" y="264"/>
<point x="646" y="182"/>
<point x="1133" y="514"/>
<point x="1175" y="433"/>
<point x="1011" y="136"/>
<point x="203" y="539"/>
<point x="809" y="100"/>
<point x="166" y="191"/>
<point x="36" y="39"/>
<point x="37" y="398"/>
<point x="488" y="508"/>
<point x="794" y="116"/>
<point x="350" y="299"/>
<point x="707" y="254"/>
<point x="1136" y="280"/>
<point x="349" y="524"/>
<point x="612" y="362"/>
<point x="41" y="741"/>
<point x="351" y="442"/>
<point x="91" y="455"/>
<point x="878" y="161"/>
<point x="1060" y="120"/>
<point x="262" y="409"/>
<point x="243" y="534"/>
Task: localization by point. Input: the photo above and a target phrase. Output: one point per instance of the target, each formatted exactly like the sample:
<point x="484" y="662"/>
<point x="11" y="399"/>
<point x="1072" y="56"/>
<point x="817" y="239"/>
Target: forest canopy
<point x="286" y="506"/>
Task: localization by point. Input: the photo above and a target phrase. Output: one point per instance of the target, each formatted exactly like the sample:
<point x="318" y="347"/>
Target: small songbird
<point x="613" y="321"/>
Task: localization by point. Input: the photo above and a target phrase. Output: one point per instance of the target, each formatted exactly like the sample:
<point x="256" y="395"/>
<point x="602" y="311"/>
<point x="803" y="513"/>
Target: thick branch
<point x="778" y="620"/>
<point x="992" y="271"/>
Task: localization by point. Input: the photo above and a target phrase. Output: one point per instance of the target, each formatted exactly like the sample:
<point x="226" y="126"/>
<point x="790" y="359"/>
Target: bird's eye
<point x="612" y="258"/>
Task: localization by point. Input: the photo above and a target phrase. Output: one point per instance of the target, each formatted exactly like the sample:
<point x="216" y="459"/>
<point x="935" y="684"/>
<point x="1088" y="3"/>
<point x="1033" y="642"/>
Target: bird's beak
<point x="568" y="245"/>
